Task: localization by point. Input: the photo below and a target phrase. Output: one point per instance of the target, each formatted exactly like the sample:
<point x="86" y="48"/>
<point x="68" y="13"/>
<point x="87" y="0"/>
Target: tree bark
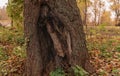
<point x="54" y="35"/>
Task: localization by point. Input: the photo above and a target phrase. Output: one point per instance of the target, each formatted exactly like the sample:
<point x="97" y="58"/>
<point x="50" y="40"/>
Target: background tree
<point x="95" y="10"/>
<point x="105" y="18"/>
<point x="101" y="5"/>
<point x="55" y="37"/>
<point x="83" y="6"/>
<point x="96" y="7"/>
<point x="15" y="12"/>
<point x="116" y="8"/>
<point x="3" y="14"/>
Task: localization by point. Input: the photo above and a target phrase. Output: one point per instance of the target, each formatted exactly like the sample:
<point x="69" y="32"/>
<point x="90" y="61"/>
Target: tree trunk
<point x="85" y="20"/>
<point x="54" y="35"/>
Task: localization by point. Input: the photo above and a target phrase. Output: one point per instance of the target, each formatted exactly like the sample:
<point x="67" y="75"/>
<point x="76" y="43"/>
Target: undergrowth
<point x="78" y="71"/>
<point x="12" y="51"/>
<point x="104" y="48"/>
<point x="103" y="44"/>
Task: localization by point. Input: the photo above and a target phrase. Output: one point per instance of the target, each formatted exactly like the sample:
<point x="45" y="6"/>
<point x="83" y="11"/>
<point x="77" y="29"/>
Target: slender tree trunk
<point x="95" y="19"/>
<point x="12" y="22"/>
<point x="99" y="14"/>
<point x="85" y="20"/>
<point x="117" y="20"/>
<point x="54" y="35"/>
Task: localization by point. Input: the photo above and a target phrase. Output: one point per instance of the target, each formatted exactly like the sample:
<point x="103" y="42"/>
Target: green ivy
<point x="58" y="72"/>
<point x="79" y="71"/>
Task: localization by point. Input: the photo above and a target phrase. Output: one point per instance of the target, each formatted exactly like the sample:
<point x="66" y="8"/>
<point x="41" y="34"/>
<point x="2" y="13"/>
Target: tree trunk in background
<point x="85" y="20"/>
<point x="117" y="20"/>
<point x="54" y="35"/>
<point x="99" y="13"/>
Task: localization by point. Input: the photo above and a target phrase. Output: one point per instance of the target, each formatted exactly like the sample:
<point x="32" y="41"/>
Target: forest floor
<point x="12" y="51"/>
<point x="103" y="43"/>
<point x="104" y="47"/>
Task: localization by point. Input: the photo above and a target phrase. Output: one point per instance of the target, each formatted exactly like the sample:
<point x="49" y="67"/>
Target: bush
<point x="57" y="72"/>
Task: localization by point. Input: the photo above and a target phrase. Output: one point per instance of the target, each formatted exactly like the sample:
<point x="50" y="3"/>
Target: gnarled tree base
<point x="55" y="36"/>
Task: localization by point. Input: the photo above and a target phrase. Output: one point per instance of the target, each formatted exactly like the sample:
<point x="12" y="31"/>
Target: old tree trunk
<point x="54" y="35"/>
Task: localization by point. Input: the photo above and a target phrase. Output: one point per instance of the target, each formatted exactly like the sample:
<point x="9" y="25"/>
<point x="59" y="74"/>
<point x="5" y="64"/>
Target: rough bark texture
<point x="55" y="37"/>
